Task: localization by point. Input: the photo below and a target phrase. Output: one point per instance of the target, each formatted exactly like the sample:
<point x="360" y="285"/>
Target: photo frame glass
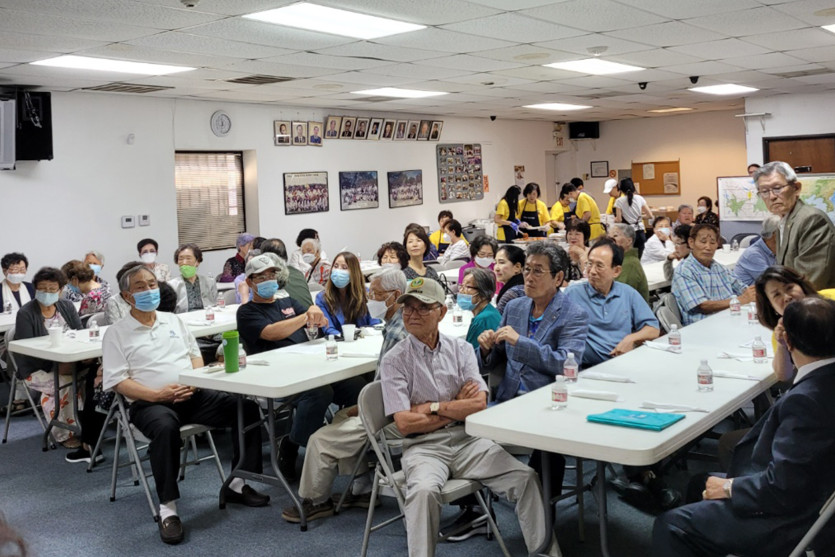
<point x="412" y="130"/>
<point x="348" y="127"/>
<point x="405" y="188"/>
<point x="388" y="129"/>
<point x="299" y="133"/>
<point x="305" y="192"/>
<point x="460" y="172"/>
<point x="333" y="126"/>
<point x="400" y="130"/>
<point x="423" y="130"/>
<point x="281" y="133"/>
<point x="599" y="169"/>
<point x="375" y="129"/>
<point x="358" y="190"/>
<point x="361" y="131"/>
<point x="315" y="133"/>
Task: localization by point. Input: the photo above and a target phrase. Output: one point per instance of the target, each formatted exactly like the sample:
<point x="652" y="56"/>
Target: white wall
<point x="56" y="210"/>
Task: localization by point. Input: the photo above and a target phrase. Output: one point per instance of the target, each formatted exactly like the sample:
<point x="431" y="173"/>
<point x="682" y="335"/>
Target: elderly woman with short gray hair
<point x="474" y="294"/>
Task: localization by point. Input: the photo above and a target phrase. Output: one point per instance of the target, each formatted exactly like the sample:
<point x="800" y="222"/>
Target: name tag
<point x="288" y="312"/>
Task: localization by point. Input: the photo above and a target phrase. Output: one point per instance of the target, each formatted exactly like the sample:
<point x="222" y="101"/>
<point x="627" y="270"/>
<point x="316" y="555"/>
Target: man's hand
<point x="469" y="390"/>
<point x="714" y="488"/>
<point x="507" y="334"/>
<point x="174" y="393"/>
<point x="749" y="295"/>
<point x="486" y="340"/>
<point x="624" y="346"/>
<point x="315" y="316"/>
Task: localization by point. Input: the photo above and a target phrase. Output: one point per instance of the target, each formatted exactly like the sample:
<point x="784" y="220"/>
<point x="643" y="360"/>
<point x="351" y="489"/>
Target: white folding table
<point x="655" y="271"/>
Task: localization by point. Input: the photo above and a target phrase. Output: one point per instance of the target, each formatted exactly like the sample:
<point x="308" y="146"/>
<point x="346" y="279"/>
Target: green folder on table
<point x="641" y="419"/>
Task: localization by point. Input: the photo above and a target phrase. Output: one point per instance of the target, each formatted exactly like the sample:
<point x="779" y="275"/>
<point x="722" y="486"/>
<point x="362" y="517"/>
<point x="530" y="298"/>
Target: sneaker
<point x="466" y="525"/>
<point x="311" y="511"/>
<point x="361" y="501"/>
<point x="83" y="455"/>
<point x="288" y="453"/>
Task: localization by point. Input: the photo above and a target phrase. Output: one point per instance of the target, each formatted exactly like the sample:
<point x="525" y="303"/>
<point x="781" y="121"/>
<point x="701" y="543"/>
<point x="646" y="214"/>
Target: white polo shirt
<point x="152" y="356"/>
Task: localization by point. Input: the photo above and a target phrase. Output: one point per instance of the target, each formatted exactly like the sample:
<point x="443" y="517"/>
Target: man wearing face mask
<point x="143" y="355"/>
<point x="660" y="244"/>
<point x="335" y="448"/>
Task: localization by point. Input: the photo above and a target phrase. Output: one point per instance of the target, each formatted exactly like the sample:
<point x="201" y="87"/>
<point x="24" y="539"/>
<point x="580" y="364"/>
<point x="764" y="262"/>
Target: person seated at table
<point x="95" y="259"/>
<point x="417" y="246"/>
<point x="14" y="267"/>
<point x="510" y="260"/>
<point x="234" y="266"/>
<point x="577" y="233"/>
<point x="682" y="249"/>
<point x="315" y="267"/>
<point x="80" y="281"/>
<point x="705" y="214"/>
<point x="631" y="208"/>
<point x="297" y="257"/>
<point x="701" y="285"/>
<point x="146" y="371"/>
<point x="561" y="211"/>
<point x="148" y="252"/>
<point x="194" y="291"/>
<point x="335" y="448"/>
<point x="781" y="472"/>
<point x="483" y="252"/>
<point x="243" y="294"/>
<point x="474" y="294"/>
<point x="116" y="307"/>
<point x="440" y="238"/>
<point x="507" y="215"/>
<point x="660" y="244"/>
<point x="632" y="273"/>
<point x="533" y="212"/>
<point x="685" y="216"/>
<point x="760" y="254"/>
<point x="430" y="384"/>
<point x="393" y="254"/>
<point x="618" y="317"/>
<point x="458" y="248"/>
<point x="268" y="323"/>
<point x="296" y="287"/>
<point x="343" y="300"/>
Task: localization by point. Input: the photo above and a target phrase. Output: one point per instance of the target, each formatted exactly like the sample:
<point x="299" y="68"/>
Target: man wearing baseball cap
<point x="611" y="187"/>
<point x="431" y="383"/>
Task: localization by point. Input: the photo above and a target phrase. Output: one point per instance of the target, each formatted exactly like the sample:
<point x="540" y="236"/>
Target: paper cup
<point x="348" y="332"/>
<point x="56" y="335"/>
<point x="726" y="248"/>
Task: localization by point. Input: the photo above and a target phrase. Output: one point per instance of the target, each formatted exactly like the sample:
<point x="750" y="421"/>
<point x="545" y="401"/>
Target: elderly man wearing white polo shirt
<point x="143" y="355"/>
<point x="430" y="385"/>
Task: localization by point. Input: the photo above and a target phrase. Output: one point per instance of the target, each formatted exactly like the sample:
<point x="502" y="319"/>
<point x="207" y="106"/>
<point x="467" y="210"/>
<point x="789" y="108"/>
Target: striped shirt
<point x="693" y="283"/>
<point x="412" y="373"/>
<point x="393" y="332"/>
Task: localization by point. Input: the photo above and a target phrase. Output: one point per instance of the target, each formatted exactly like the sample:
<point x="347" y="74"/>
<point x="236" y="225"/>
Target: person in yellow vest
<point x="533" y="212"/>
<point x="586" y="209"/>
<point x="507" y="215"/>
<point x="561" y="212"/>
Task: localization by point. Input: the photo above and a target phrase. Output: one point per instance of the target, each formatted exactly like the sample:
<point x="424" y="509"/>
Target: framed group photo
<point x="405" y="188"/>
<point x="305" y="192"/>
<point x="358" y="190"/>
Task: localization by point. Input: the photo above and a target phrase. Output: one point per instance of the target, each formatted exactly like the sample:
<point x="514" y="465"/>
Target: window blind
<point x="210" y="198"/>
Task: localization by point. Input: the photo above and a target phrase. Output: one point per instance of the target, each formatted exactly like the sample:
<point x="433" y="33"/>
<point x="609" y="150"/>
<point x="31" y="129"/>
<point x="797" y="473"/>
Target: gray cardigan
<point x="208" y="292"/>
<point x="29" y="324"/>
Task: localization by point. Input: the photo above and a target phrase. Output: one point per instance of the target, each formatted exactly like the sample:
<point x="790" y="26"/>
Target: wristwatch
<point x="727" y="487"/>
<point x="434" y="407"/>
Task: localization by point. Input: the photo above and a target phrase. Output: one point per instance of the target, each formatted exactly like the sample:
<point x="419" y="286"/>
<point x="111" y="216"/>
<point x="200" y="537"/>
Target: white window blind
<point x="210" y="198"/>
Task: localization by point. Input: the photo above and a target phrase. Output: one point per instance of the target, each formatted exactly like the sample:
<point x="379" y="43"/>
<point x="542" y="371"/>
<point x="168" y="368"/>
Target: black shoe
<point x="361" y="501"/>
<point x="247" y="496"/>
<point x="620" y="484"/>
<point x="637" y="495"/>
<point x="288" y="453"/>
<point x="461" y="528"/>
<point x="665" y="498"/>
<point x="171" y="530"/>
<point x="82" y="455"/>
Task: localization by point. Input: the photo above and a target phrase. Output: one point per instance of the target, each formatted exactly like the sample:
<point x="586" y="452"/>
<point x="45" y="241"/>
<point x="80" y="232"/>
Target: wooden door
<point x="817" y="152"/>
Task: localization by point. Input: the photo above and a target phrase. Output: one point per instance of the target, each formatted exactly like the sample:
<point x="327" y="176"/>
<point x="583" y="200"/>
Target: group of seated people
<point x="530" y="311"/>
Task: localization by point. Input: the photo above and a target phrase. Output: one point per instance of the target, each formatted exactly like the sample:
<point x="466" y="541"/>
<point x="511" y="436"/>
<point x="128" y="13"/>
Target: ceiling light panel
<point x="400" y="93"/>
<point x="594" y="66"/>
<point x="724" y="89"/>
<point x="108" y="65"/>
<point x="558" y="107"/>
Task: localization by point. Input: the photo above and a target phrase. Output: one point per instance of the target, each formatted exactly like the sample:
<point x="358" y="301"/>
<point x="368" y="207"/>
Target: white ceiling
<point x="487" y="53"/>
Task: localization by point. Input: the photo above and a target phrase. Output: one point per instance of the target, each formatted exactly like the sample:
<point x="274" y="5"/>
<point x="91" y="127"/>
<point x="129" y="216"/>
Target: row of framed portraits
<point x="307" y="192"/>
<point x="288" y="133"/>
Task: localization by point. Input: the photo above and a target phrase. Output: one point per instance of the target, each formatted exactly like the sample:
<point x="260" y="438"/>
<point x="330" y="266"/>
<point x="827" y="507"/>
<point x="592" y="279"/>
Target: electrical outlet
<point x="128" y="221"/>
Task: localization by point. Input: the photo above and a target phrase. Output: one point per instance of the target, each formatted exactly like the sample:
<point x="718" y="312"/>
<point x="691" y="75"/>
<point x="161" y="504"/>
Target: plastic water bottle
<point x="734" y="246"/>
<point x="211" y="277"/>
<point x="758" y="348"/>
<point x="457" y="316"/>
<point x="705" y="377"/>
<point x="450" y="302"/>
<point x="210" y="315"/>
<point x="559" y="394"/>
<point x="752" y="314"/>
<point x="95" y="334"/>
<point x="570" y="369"/>
<point x="736" y="307"/>
<point x="8" y="308"/>
<point x="221" y="302"/>
<point x="331" y="350"/>
<point x="674" y="339"/>
<point x="241" y="357"/>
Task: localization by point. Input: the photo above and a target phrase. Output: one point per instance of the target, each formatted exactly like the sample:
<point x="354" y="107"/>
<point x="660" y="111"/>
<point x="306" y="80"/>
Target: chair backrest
<point x="471" y="232"/>
<point x="230" y="296"/>
<point x="825" y="514"/>
<point x="371" y="409"/>
<point x="667" y="319"/>
<point x="668" y="300"/>
<point x="747" y="240"/>
<point x="97" y="318"/>
<point x="454" y="264"/>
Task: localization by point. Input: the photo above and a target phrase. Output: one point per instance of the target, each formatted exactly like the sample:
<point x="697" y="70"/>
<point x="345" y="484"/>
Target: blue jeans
<point x="311" y="406"/>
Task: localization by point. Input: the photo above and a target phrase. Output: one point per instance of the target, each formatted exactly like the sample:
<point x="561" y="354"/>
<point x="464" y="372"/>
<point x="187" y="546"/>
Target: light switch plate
<point x="144" y="220"/>
<point x="128" y="221"/>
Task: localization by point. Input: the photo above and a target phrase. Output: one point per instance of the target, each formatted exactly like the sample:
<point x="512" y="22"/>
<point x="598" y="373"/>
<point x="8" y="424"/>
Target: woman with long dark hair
<point x="510" y="260"/>
<point x="630" y="209"/>
<point x="343" y="300"/>
<point x="507" y="215"/>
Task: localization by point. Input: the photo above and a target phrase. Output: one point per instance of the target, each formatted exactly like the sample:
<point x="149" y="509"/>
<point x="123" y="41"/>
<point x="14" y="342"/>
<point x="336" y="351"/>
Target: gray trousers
<point x="430" y="459"/>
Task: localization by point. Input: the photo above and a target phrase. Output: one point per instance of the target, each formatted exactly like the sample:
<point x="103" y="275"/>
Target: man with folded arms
<point x="430" y="385"/>
<point x="143" y="355"/>
<point x="781" y="471"/>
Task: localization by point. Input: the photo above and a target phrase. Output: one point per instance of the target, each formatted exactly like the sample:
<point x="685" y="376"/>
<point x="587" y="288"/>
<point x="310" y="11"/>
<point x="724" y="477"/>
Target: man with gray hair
<point x="296" y="286"/>
<point x="338" y="447"/>
<point x="805" y="235"/>
<point x="685" y="216"/>
<point x="631" y="271"/>
<point x="759" y="256"/>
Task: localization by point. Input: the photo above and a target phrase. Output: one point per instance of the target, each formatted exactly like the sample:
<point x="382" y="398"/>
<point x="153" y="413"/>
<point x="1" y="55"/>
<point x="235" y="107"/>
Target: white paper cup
<point x="56" y="336"/>
<point x="348" y="332"/>
<point x="726" y="248"/>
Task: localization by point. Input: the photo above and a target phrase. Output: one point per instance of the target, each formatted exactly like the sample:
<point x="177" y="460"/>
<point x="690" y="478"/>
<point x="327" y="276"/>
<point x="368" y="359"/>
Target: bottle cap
<point x="560" y="379"/>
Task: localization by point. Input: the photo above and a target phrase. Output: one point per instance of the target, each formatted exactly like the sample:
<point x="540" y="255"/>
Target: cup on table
<point x="348" y="332"/>
<point x="726" y="248"/>
<point x="56" y="336"/>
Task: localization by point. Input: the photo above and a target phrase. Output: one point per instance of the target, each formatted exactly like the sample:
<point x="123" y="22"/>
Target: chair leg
<point x="492" y="523"/>
<point x="100" y="440"/>
<point x="370" y="517"/>
<point x="115" y="468"/>
<point x="131" y="444"/>
<point x="9" y="408"/>
<point x="211" y="441"/>
<point x="184" y="458"/>
<point x="581" y="488"/>
<point x="354" y="472"/>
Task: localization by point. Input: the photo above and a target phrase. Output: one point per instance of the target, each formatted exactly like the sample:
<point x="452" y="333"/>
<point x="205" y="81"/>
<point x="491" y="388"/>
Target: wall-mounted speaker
<point x="34" y="126"/>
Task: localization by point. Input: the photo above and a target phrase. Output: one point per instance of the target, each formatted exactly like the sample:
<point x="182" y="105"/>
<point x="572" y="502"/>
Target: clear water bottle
<point x="752" y="314"/>
<point x="736" y="307"/>
<point x="95" y="333"/>
<point x="331" y="350"/>
<point x="758" y="348"/>
<point x="674" y="339"/>
<point x="570" y="368"/>
<point x="457" y="316"/>
<point x="210" y="315"/>
<point x="8" y="308"/>
<point x="705" y="377"/>
<point x="241" y="357"/>
<point x="221" y="302"/>
<point x="559" y="394"/>
<point x="211" y="277"/>
<point x="734" y="246"/>
<point x="450" y="302"/>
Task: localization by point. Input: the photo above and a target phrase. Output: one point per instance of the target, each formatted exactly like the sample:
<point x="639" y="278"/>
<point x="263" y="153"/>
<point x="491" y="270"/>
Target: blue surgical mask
<point x="340" y="278"/>
<point x="267" y="289"/>
<point x="73" y="288"/>
<point x="147" y="300"/>
<point x="46" y="298"/>
<point x="96" y="268"/>
<point x="465" y="301"/>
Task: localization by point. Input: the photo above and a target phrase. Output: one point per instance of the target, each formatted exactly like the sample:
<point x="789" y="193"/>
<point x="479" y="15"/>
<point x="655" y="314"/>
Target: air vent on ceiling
<point x="601" y="95"/>
<point x="259" y="79"/>
<point x="375" y="99"/>
<point x="805" y="73"/>
<point x="127" y="88"/>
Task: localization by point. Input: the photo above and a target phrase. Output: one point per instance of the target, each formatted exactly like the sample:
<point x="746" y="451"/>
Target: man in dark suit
<point x="782" y="470"/>
<point x="806" y="235"/>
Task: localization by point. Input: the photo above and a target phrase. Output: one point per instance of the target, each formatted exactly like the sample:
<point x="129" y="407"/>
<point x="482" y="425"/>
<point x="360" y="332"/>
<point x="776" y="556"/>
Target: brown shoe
<point x="171" y="530"/>
<point x="361" y="501"/>
<point x="311" y="511"/>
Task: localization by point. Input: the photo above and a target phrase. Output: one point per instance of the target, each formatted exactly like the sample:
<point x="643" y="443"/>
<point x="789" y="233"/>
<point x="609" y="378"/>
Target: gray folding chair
<point x="15" y="381"/>
<point x="230" y="296"/>
<point x="825" y="514"/>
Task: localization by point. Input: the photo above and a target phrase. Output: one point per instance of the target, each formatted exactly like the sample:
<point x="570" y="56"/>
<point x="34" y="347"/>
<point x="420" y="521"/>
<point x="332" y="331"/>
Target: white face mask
<point x="390" y="266"/>
<point x="700" y="209"/>
<point x="376" y="309"/>
<point x="309" y="258"/>
<point x="484" y="261"/>
<point x="15" y="278"/>
<point x="148" y="257"/>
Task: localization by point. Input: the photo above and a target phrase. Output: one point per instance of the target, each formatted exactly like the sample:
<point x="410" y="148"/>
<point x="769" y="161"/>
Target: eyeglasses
<point x="423" y="310"/>
<point x="466" y="287"/>
<point x="49" y="290"/>
<point x="775" y="191"/>
<point x="535" y="271"/>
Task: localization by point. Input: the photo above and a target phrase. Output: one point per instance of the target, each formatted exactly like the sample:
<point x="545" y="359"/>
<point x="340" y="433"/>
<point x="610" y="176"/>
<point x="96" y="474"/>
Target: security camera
<point x="189" y="3"/>
<point x="694" y="79"/>
<point x="493" y="118"/>
<point x="642" y="85"/>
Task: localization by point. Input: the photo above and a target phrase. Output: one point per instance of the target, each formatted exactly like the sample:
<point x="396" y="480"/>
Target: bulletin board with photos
<point x="460" y="172"/>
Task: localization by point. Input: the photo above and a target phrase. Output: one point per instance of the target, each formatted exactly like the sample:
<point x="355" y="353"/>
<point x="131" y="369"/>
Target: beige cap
<point x="610" y="184"/>
<point x="426" y="290"/>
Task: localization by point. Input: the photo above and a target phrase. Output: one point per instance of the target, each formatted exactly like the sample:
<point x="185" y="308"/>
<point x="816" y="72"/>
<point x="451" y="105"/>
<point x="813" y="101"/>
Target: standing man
<point x="806" y="235"/>
<point x="611" y="188"/>
<point x="760" y="254"/>
<point x="632" y="273"/>
<point x="430" y="385"/>
<point x="143" y="355"/>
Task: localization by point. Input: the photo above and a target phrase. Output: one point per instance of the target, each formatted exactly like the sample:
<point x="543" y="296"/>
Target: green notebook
<point x="641" y="419"/>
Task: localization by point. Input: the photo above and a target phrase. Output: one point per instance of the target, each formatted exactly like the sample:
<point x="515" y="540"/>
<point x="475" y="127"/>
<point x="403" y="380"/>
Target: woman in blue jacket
<point x="343" y="300"/>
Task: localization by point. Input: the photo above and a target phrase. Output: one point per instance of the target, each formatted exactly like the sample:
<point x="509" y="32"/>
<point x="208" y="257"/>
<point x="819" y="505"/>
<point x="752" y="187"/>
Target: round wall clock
<point x="221" y="123"/>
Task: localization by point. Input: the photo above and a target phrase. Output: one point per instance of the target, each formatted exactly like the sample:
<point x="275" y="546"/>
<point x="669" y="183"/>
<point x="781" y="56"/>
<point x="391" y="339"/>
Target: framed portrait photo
<point x="281" y="131"/>
<point x="375" y="129"/>
<point x="362" y="128"/>
<point x="405" y="188"/>
<point x="299" y="133"/>
<point x="358" y="190"/>
<point x="332" y="126"/>
<point x="412" y="134"/>
<point x="400" y="130"/>
<point x="435" y="132"/>
<point x="388" y="129"/>
<point x="348" y="127"/>
<point x="423" y="131"/>
<point x="315" y="134"/>
<point x="599" y="169"/>
<point x="305" y="192"/>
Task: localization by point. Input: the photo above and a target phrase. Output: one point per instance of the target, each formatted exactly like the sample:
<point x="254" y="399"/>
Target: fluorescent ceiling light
<point x="724" y="89"/>
<point x="336" y="22"/>
<point x="561" y="107"/>
<point x="107" y="65"/>
<point x="594" y="66"/>
<point x="830" y="28"/>
<point x="399" y="93"/>
<point x="677" y="109"/>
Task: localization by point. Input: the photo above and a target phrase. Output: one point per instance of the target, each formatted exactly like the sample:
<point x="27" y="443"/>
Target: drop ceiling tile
<point x="599" y="81"/>
<point x="45" y="43"/>
<point x="800" y="38"/>
<point x="22" y="56"/>
<point x="368" y="49"/>
<point x="752" y="78"/>
<point x="197" y="44"/>
<point x="682" y="9"/>
<point x="517" y="4"/>
<point x="525" y="54"/>
<point x="548" y="86"/>
<point x="701" y="68"/>
<point x="43" y="24"/>
<point x="469" y="63"/>
<point x="760" y="61"/>
<point x="443" y="41"/>
<point x="511" y="27"/>
<point x="225" y="7"/>
<point x="655" y="58"/>
<point x="482" y="79"/>
<point x="368" y="80"/>
<point x="257" y="32"/>
<point x="450" y="86"/>
<point x="671" y="33"/>
<point x="536" y="73"/>
<point x="416" y="71"/>
<point x="581" y="44"/>
<point x="820" y="54"/>
<point x="124" y="51"/>
<point x="748" y="22"/>
<point x="716" y="50"/>
<point x="600" y="15"/>
<point x="271" y="68"/>
<point x="805" y="10"/>
<point x="315" y="60"/>
<point x="425" y="12"/>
